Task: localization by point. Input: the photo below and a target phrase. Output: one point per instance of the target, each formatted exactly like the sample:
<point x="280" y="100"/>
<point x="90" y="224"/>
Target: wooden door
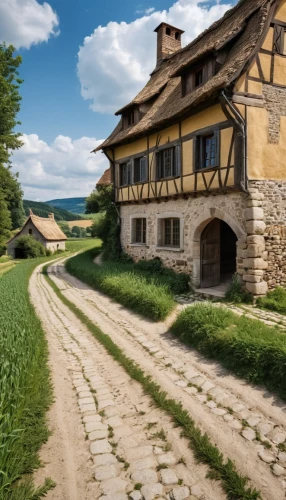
<point x="210" y="255"/>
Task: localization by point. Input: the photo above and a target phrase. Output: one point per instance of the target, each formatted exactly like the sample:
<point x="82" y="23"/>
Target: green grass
<point x="220" y="468"/>
<point x="275" y="300"/>
<point x="135" y="289"/>
<point x="247" y="347"/>
<point x="25" y="388"/>
<point x="79" y="244"/>
<point x="91" y="216"/>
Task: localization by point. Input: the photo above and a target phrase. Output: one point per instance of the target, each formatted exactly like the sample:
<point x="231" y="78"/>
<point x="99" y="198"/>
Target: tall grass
<point x="138" y="291"/>
<point x="25" y="388"/>
<point x="275" y="300"/>
<point x="247" y="347"/>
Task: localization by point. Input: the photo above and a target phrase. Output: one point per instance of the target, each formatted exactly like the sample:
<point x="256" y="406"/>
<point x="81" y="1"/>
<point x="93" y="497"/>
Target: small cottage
<point x="44" y="230"/>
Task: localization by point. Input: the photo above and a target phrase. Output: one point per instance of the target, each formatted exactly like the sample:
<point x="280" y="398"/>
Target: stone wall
<point x="194" y="213"/>
<point x="274" y="208"/>
<point x="275" y="100"/>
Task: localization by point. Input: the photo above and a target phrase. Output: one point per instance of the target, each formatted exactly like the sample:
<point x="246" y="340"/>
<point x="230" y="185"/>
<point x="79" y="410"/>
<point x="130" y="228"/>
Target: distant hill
<point x="43" y="209"/>
<point x="74" y="205"/>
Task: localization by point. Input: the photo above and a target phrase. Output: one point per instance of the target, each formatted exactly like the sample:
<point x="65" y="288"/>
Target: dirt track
<point x="221" y="408"/>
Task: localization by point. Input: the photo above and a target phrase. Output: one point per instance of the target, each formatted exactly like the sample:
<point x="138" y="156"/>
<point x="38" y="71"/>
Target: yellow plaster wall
<point x="265" y="61"/>
<point x="225" y="142"/>
<point x="268" y="42"/>
<point x="187" y="157"/>
<point x="210" y="116"/>
<point x="254" y="87"/>
<point x="167" y="135"/>
<point x="240" y="84"/>
<point x="253" y="71"/>
<point x="279" y="70"/>
<point x="265" y="160"/>
<point x="281" y="12"/>
<point x="131" y="149"/>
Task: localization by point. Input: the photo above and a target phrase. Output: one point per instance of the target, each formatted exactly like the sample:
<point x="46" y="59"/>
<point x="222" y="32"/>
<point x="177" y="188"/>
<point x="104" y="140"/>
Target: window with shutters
<point x="139" y="230"/>
<point x="168" y="163"/>
<point x="140" y="169"/>
<point x="171" y="232"/>
<point x="278" y="39"/>
<point x="125" y="174"/>
<point x="206" y="151"/>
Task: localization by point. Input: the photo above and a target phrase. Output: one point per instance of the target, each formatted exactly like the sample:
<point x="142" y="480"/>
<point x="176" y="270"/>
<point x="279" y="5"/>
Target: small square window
<point x="30" y="231"/>
<point x="206" y="151"/>
<point x="168" y="31"/>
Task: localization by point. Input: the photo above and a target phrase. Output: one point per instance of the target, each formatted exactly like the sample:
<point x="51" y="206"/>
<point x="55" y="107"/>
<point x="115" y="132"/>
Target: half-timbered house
<point x="197" y="159"/>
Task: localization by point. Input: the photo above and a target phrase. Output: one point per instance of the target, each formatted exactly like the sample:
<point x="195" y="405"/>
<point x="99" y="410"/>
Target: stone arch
<point x="196" y="231"/>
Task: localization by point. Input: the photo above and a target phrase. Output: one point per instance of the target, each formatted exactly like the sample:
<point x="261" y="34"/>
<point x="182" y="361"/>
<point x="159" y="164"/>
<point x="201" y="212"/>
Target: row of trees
<point x="11" y="205"/>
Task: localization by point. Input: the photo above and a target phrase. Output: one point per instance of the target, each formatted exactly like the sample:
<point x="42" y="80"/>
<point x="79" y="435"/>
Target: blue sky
<point x="82" y="60"/>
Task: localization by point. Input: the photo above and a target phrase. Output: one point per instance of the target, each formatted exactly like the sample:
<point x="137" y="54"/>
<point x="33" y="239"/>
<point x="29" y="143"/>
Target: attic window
<point x="197" y="76"/>
<point x="168" y="31"/>
<point x="130" y="118"/>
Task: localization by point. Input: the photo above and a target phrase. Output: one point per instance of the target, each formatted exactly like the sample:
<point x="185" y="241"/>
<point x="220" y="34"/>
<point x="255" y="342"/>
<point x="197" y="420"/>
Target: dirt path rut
<point x="247" y="423"/>
<point x="108" y="440"/>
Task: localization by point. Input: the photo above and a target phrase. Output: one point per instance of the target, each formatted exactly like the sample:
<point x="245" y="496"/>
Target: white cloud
<point x="63" y="169"/>
<point x="26" y="22"/>
<point x="115" y="61"/>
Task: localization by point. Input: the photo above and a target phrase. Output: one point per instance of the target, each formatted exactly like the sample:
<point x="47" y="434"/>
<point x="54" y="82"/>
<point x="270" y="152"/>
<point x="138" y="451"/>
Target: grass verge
<point x="247" y="347"/>
<point x="234" y="484"/>
<point x="136" y="290"/>
<point x="275" y="300"/>
<point x="25" y="388"/>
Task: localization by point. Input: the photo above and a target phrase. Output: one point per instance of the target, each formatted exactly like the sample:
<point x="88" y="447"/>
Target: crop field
<point x="25" y="390"/>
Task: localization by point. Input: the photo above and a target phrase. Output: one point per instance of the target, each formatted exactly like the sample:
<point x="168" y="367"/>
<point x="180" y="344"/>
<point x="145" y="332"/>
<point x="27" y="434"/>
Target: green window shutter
<point x="158" y="166"/>
<point x="143" y="169"/>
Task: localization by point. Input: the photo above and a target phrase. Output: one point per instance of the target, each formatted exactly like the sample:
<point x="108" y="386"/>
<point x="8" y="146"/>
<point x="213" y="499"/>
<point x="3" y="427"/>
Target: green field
<point x="25" y="389"/>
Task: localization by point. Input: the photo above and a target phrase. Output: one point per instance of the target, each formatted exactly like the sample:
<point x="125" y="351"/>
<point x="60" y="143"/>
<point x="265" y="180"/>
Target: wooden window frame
<point x="199" y="150"/>
<point x="279" y="40"/>
<point x="171" y="244"/>
<point x="175" y="163"/>
<point x="137" y="164"/>
<point x="207" y="68"/>
<point x="142" y="240"/>
<point x="128" y="166"/>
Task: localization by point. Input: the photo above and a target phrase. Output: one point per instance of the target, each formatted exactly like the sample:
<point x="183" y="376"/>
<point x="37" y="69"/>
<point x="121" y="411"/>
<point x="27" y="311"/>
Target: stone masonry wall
<point x="275" y="100"/>
<point x="191" y="210"/>
<point x="274" y="207"/>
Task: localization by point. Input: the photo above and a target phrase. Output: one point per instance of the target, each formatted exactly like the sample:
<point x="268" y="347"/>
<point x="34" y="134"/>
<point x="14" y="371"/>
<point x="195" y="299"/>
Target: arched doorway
<point x="218" y="253"/>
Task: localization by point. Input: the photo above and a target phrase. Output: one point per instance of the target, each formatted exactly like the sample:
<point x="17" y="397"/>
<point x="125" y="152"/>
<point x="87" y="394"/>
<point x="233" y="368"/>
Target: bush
<point x="134" y="290"/>
<point x="48" y="252"/>
<point x="245" y="346"/>
<point x="275" y="300"/>
<point x="30" y="247"/>
<point x="236" y="294"/>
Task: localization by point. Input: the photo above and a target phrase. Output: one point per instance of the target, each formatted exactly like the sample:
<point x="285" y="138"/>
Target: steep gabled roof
<point x="243" y="25"/>
<point x="105" y="179"/>
<point x="48" y="228"/>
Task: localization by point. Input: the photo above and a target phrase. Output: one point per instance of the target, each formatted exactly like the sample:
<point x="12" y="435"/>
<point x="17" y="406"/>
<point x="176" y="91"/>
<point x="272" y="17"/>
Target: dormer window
<point x="131" y="117"/>
<point x="197" y="76"/>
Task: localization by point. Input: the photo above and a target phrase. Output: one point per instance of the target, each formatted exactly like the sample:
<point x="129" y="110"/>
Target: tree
<point x="76" y="232"/>
<point x="5" y="224"/>
<point x="92" y="203"/>
<point x="12" y="192"/>
<point x="9" y="139"/>
<point x="66" y="229"/>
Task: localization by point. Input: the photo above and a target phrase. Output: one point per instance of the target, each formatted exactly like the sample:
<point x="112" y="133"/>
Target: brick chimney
<point x="51" y="216"/>
<point x="168" y="40"/>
